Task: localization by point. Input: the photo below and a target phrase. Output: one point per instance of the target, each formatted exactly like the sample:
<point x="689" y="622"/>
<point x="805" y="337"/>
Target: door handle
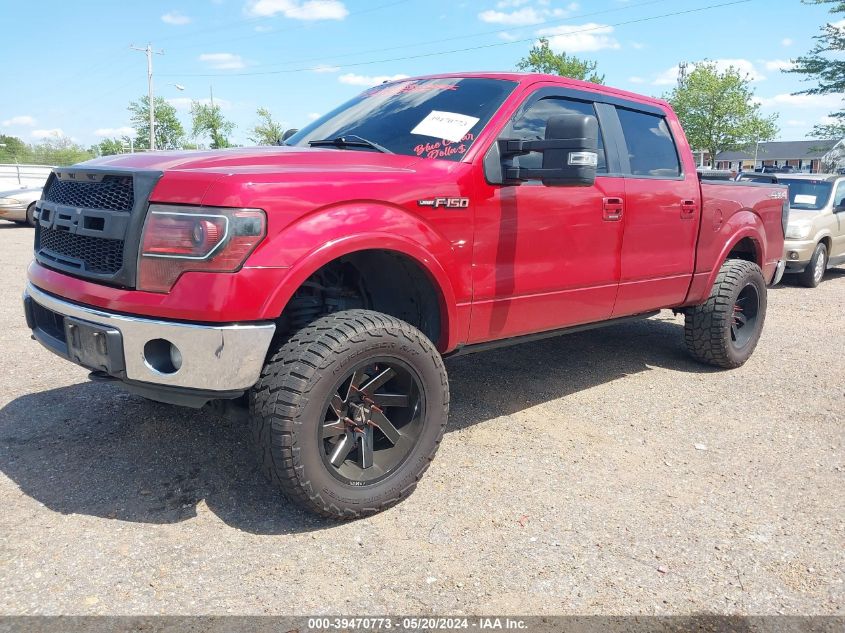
<point x="688" y="209"/>
<point x="612" y="209"/>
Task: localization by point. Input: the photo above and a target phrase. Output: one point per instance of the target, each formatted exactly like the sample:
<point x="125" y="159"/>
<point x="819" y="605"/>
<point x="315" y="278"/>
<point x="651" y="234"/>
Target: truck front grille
<point x="112" y="192"/>
<point x="85" y="253"/>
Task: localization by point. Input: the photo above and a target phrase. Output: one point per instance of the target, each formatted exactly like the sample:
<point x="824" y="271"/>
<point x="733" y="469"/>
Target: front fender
<point x="310" y="243"/>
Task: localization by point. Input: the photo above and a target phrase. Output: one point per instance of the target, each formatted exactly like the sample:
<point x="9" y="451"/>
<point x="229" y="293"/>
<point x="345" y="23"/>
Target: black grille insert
<point x="91" y="254"/>
<point x="48" y="321"/>
<point x="112" y="192"/>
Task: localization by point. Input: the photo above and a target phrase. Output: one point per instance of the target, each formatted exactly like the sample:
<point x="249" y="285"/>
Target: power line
<point x="467" y="49"/>
<point x="471" y="35"/>
<point x="228" y="25"/>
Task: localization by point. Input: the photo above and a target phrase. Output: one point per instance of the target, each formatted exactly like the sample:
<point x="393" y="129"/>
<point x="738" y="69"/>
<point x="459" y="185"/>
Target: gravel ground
<point x="599" y="473"/>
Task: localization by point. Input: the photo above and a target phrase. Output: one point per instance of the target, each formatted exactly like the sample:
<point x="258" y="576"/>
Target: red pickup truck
<point x="323" y="282"/>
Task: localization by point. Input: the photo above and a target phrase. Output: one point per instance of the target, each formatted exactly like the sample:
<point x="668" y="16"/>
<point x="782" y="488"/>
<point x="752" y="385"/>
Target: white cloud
<point x="579" y="39"/>
<point x="313" y="116"/>
<point x="175" y="18"/>
<point x="636" y="80"/>
<point x="795" y="123"/>
<point x="508" y="36"/>
<point x="366" y="80"/>
<point x="183" y="104"/>
<point x="298" y="10"/>
<point x="821" y="102"/>
<point x="23" y="119"/>
<point x="524" y="16"/>
<point x="263" y="28"/>
<point x="746" y="68"/>
<point x="56" y="132"/>
<point x="778" y="64"/>
<point x="787" y="41"/>
<point x="637" y="46"/>
<point x="114" y="132"/>
<point x="323" y="68"/>
<point x="223" y="61"/>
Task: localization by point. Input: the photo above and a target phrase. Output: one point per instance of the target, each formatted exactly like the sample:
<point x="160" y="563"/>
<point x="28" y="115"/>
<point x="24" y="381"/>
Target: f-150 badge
<point x="447" y="203"/>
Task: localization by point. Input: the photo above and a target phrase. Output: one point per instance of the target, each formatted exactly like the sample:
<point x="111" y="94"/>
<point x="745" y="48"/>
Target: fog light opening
<point x="793" y="255"/>
<point x="162" y="356"/>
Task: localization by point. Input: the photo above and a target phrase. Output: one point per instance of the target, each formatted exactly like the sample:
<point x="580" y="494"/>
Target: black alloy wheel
<point x="372" y="421"/>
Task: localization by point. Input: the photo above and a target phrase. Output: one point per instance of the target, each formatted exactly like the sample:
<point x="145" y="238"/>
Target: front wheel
<point x="725" y="329"/>
<point x="812" y="275"/>
<point x="349" y="412"/>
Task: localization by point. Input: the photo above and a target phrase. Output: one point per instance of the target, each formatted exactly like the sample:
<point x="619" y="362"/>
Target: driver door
<point x="545" y="257"/>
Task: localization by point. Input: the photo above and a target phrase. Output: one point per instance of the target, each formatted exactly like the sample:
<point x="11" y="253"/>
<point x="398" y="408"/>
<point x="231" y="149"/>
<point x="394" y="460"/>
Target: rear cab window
<point x="431" y="118"/>
<point x="651" y="148"/>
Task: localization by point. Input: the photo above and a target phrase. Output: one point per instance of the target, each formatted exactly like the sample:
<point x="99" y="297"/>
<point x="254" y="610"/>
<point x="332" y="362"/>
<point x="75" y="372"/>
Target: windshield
<point x="807" y="195"/>
<point x="429" y="118"/>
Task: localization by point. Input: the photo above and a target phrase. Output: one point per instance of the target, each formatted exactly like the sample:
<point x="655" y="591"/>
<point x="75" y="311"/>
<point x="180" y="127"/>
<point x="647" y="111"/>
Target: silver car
<point x="18" y="205"/>
<point x="815" y="237"/>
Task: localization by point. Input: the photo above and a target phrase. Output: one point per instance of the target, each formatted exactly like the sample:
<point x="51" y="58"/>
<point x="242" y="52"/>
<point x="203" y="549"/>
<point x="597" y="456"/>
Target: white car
<point x="18" y="205"/>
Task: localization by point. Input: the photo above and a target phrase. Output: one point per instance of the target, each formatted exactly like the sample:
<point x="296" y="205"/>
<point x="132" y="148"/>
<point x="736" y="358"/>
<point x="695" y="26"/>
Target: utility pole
<point x="149" y="51"/>
<point x="682" y="73"/>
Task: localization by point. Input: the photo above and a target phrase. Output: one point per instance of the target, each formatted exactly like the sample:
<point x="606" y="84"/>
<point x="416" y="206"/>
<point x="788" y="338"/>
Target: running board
<point x="530" y="338"/>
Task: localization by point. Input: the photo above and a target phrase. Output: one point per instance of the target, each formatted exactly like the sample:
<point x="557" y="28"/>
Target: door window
<point x="531" y="126"/>
<point x="839" y="196"/>
<point x="651" y="148"/>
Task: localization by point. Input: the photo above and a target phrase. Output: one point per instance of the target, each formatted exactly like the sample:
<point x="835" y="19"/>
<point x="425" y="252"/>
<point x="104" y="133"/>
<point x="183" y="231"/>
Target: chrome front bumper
<point x="214" y="358"/>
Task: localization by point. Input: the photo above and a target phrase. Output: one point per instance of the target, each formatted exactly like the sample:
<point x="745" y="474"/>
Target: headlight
<point x="211" y="239"/>
<point x="798" y="231"/>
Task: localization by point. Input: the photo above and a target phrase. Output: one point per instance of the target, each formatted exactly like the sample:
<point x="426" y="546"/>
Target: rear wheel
<point x="813" y="274"/>
<point x="349" y="412"/>
<point x="725" y="329"/>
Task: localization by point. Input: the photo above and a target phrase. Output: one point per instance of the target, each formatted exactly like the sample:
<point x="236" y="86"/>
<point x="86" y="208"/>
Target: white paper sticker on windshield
<point x="802" y="198"/>
<point x="446" y="125"/>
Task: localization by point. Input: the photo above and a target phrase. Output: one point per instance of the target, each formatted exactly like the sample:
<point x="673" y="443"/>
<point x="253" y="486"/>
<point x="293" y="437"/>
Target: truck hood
<point x="259" y="160"/>
<point x="803" y="217"/>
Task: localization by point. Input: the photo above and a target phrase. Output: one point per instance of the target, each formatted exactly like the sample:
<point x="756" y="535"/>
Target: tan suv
<point x="815" y="237"/>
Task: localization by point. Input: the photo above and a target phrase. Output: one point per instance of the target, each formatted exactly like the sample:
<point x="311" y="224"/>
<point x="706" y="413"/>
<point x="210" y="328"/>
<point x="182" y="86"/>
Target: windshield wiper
<point x="350" y="140"/>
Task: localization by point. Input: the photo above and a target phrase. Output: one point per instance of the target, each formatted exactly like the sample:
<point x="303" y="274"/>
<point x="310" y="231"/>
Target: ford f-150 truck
<point x="323" y="282"/>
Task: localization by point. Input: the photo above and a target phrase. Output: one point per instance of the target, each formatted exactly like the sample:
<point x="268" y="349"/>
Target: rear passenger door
<point x="662" y="214"/>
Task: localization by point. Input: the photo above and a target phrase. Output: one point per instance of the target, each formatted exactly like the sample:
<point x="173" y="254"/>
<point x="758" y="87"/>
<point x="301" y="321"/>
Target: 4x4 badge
<point x="448" y="203"/>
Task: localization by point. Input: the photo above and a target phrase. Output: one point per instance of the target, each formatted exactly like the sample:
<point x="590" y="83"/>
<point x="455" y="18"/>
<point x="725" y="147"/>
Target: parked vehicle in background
<point x="751" y="176"/>
<point x="324" y="280"/>
<point x="815" y="236"/>
<point x="18" y="205"/>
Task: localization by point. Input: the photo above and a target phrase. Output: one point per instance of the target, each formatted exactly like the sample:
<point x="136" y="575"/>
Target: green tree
<point x="208" y="120"/>
<point x="169" y="131"/>
<point x="12" y="148"/>
<point x="542" y="59"/>
<point x="111" y="146"/>
<point x="267" y="131"/>
<point x="825" y="66"/>
<point x="59" y="151"/>
<point x="718" y="111"/>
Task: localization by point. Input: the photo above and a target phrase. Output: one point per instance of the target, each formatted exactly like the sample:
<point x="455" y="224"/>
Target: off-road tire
<point x="287" y="407"/>
<point x="807" y="277"/>
<point x="707" y="327"/>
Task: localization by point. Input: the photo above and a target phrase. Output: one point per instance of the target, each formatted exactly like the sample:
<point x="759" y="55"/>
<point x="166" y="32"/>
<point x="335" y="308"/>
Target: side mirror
<point x="287" y="135"/>
<point x="570" y="152"/>
<point x="840" y="208"/>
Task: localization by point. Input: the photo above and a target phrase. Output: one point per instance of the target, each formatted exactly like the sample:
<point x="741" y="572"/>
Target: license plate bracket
<point x="95" y="346"/>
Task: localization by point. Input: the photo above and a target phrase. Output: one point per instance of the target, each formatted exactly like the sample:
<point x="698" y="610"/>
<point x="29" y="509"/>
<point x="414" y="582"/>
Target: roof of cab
<point x="531" y="78"/>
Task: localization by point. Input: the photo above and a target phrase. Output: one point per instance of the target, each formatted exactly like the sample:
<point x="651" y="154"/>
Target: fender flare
<point x="327" y="252"/>
<point x="755" y="234"/>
